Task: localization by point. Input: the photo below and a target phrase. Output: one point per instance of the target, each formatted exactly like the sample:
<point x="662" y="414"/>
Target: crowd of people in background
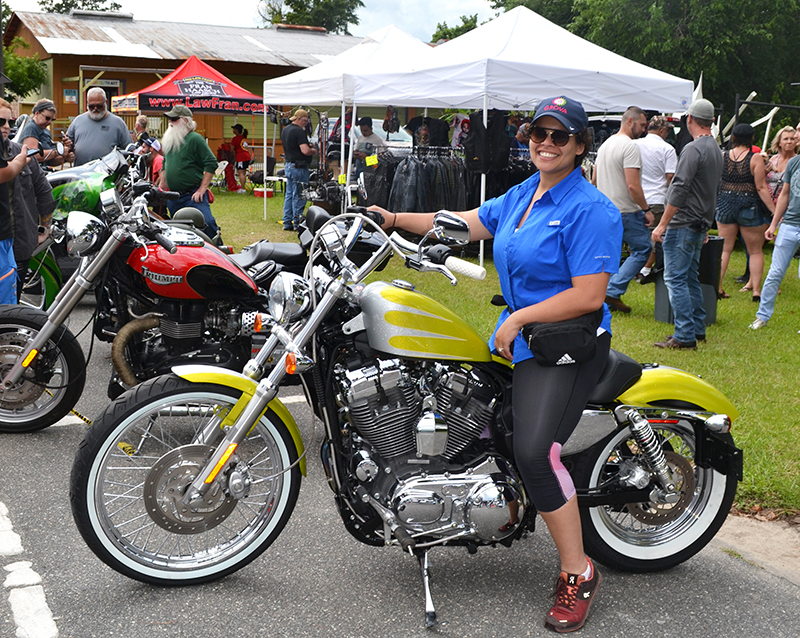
<point x="180" y="161"/>
<point x="740" y="190"/>
<point x="661" y="197"/>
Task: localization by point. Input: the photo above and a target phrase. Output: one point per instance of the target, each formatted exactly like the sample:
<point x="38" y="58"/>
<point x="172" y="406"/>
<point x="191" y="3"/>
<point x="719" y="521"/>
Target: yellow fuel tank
<point x="406" y="323"/>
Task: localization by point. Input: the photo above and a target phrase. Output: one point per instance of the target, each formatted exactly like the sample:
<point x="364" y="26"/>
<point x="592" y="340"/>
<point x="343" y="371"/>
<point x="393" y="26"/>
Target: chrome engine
<point x="419" y="435"/>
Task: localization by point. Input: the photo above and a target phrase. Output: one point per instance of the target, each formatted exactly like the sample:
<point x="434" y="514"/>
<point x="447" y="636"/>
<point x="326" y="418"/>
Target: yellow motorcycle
<point x="190" y="476"/>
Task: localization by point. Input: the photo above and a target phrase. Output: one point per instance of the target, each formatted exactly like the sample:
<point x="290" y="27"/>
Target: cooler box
<point x="263" y="192"/>
<point x="708" y="275"/>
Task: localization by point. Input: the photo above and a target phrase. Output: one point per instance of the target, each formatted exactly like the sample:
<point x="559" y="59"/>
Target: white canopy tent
<point x="332" y="81"/>
<point x="510" y="63"/>
<point x="516" y="60"/>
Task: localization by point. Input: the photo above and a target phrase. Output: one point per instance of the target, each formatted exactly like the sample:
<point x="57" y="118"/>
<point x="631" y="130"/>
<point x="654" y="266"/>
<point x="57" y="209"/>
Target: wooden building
<point x="123" y="55"/>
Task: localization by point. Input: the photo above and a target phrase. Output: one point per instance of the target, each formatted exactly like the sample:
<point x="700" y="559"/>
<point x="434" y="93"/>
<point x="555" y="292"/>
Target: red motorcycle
<point x="164" y="297"/>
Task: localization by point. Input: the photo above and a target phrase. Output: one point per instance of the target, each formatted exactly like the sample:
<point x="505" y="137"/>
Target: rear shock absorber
<point x="651" y="450"/>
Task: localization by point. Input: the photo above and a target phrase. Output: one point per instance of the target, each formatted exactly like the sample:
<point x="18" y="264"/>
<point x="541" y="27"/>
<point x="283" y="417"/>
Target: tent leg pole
<point x="483" y="175"/>
<point x="264" y="160"/>
<point x="346" y="200"/>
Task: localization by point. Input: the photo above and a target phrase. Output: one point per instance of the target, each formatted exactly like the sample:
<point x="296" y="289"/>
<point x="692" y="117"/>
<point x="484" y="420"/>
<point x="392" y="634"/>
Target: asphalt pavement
<point x="317" y="581"/>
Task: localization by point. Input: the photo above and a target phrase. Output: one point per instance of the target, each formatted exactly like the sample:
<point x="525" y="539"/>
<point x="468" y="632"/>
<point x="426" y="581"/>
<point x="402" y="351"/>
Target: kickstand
<point x="430" y="612"/>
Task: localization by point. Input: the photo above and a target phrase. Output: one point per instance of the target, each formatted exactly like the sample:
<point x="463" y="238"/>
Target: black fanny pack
<point x="564" y="342"/>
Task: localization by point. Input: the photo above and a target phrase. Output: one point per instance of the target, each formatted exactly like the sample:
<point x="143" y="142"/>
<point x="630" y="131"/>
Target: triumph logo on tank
<point x="199" y="86"/>
<point x="161" y="278"/>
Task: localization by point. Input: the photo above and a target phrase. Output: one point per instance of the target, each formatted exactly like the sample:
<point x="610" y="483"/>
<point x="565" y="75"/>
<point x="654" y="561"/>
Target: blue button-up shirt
<point x="572" y="230"/>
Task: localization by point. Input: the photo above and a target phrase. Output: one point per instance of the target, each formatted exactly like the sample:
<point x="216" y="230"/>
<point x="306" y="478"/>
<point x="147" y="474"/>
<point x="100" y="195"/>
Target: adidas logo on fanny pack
<point x="565" y="360"/>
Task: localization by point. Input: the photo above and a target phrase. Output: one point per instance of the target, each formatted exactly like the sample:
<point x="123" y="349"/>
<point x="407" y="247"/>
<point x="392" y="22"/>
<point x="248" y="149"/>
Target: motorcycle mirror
<point x="450" y="228"/>
<point x="333" y="243"/>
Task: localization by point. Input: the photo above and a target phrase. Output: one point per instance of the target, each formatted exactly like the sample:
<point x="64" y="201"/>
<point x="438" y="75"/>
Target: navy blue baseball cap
<point x="566" y="110"/>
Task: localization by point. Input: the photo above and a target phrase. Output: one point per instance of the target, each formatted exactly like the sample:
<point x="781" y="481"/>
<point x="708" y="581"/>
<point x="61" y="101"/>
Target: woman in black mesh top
<point x="743" y="184"/>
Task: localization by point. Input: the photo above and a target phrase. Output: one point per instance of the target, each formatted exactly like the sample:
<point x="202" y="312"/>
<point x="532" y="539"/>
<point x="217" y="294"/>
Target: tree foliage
<point x="65" y="6"/>
<point x="443" y="32"/>
<point x="738" y="45"/>
<point x="5" y="15"/>
<point x="557" y="11"/>
<point x="26" y="73"/>
<point x="334" y="15"/>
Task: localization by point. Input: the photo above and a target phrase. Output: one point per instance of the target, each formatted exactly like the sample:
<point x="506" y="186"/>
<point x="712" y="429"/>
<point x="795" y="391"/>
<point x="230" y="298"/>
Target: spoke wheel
<point x="653" y="536"/>
<point x="53" y="383"/>
<point x="133" y="469"/>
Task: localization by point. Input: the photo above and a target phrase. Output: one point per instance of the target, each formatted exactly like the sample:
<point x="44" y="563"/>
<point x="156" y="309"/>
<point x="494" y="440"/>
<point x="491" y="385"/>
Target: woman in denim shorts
<point x="743" y="184"/>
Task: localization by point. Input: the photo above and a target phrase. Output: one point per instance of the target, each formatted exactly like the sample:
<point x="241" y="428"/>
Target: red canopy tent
<point x="194" y="84"/>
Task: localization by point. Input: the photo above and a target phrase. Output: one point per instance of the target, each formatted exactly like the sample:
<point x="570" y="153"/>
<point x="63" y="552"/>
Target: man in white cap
<point x="297" y="151"/>
<point x="689" y="213"/>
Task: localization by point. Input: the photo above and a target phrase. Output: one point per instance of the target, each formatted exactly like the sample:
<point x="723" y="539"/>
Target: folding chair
<point x="218" y="181"/>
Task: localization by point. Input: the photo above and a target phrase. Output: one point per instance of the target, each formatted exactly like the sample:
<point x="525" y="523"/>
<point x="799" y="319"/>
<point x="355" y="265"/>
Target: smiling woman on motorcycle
<point x="557" y="240"/>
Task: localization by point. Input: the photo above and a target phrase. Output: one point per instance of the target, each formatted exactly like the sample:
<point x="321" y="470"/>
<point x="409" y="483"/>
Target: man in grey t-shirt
<point x="618" y="173"/>
<point x="94" y="133"/>
<point x="689" y="213"/>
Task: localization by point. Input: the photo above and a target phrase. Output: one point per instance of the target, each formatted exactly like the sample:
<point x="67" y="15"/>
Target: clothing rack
<point x="438" y="151"/>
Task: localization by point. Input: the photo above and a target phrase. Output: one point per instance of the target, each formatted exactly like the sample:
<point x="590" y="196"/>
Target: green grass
<point x="756" y="370"/>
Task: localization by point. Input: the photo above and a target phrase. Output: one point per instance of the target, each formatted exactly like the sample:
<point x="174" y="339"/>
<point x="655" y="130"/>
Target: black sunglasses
<point x="539" y="133"/>
<point x="96" y="107"/>
<point x="4" y="121"/>
<point x="173" y="119"/>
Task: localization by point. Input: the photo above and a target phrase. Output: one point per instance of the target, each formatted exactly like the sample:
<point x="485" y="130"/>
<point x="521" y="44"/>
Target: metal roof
<point x="119" y="35"/>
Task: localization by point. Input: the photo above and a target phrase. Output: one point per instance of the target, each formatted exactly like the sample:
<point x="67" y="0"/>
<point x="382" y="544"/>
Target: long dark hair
<point x="585" y="137"/>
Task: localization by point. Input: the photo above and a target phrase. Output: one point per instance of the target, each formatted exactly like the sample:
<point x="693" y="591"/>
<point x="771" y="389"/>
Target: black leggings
<point x="548" y="402"/>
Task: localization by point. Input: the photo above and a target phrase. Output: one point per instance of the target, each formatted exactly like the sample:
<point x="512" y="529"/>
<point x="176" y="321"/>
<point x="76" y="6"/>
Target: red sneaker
<point x="574" y="595"/>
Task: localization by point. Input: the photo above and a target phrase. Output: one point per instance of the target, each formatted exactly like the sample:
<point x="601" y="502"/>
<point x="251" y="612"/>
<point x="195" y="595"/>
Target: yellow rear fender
<point x="664" y="384"/>
<point x="245" y="385"/>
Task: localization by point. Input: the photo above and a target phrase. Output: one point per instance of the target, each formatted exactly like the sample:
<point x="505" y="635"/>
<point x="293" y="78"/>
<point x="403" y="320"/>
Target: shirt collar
<point x="560" y="190"/>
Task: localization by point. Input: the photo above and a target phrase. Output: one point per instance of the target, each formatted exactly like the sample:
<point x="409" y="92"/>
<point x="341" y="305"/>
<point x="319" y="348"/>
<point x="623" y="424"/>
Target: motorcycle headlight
<point x="289" y="297"/>
<point x="85" y="234"/>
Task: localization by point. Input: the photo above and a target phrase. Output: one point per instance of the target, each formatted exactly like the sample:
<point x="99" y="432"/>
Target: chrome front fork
<point x="65" y="302"/>
<point x="266" y="390"/>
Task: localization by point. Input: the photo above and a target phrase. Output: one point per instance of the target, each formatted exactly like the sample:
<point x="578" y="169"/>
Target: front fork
<point x="266" y="390"/>
<point x="65" y="302"/>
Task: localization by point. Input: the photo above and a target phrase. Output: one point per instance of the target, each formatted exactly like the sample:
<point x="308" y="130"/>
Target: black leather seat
<point x="285" y="254"/>
<point x="620" y="373"/>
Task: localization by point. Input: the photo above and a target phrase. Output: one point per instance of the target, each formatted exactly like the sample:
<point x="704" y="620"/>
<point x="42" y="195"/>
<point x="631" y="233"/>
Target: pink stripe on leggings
<point x="562" y="476"/>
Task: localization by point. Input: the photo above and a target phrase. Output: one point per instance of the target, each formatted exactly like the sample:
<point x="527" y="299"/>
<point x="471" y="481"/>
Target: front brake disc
<point x="167" y="482"/>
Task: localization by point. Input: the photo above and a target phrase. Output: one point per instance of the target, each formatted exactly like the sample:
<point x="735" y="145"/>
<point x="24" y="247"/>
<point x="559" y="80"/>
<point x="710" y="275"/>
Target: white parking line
<point x="26" y="594"/>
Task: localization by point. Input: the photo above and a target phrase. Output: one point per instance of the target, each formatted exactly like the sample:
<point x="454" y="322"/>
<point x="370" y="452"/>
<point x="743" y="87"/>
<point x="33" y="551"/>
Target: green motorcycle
<point x="76" y="188"/>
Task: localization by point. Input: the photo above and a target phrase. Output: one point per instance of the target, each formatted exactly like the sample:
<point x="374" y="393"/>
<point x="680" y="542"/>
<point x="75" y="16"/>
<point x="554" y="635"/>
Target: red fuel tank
<point x="195" y="271"/>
